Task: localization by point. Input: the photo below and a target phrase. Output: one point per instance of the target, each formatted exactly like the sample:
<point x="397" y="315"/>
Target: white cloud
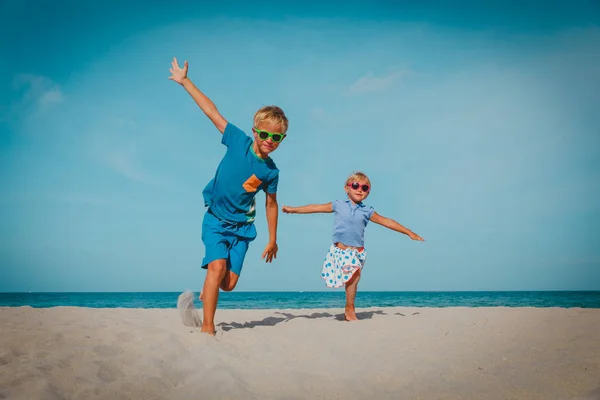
<point x="40" y="91"/>
<point x="116" y="146"/>
<point x="370" y="83"/>
<point x="53" y="96"/>
<point x="317" y="112"/>
<point x="124" y="163"/>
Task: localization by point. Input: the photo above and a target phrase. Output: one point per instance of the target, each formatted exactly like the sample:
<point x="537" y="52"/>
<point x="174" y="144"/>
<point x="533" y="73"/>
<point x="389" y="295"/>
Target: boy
<point x="228" y="225"/>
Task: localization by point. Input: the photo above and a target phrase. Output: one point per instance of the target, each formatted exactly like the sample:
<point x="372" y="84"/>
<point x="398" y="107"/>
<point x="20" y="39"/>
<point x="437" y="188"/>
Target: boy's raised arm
<point x="308" y="209"/>
<point x="179" y="75"/>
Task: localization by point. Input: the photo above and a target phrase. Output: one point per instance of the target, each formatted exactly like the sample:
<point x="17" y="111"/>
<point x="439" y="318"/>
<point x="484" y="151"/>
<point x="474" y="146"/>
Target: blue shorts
<point x="224" y="240"/>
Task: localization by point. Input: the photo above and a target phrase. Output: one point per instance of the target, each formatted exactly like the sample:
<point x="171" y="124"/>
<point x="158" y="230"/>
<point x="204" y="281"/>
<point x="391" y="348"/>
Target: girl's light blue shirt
<point x="350" y="221"/>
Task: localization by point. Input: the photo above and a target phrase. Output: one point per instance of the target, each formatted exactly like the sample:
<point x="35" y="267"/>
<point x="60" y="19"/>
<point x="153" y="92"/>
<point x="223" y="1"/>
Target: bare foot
<point x="209" y="330"/>
<point x="349" y="314"/>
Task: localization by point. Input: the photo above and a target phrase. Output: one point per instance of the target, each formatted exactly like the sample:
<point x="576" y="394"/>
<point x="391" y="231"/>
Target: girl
<point x="347" y="255"/>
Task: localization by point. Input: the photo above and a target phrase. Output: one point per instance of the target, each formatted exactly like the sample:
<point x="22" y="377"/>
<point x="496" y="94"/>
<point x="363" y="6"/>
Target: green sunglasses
<point x="264" y="135"/>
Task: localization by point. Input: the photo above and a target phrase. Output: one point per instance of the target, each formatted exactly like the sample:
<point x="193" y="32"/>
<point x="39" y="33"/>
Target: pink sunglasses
<point x="356" y="185"/>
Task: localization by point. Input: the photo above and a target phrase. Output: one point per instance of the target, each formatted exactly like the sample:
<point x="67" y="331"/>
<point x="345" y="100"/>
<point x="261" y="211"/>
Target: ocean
<point x="300" y="300"/>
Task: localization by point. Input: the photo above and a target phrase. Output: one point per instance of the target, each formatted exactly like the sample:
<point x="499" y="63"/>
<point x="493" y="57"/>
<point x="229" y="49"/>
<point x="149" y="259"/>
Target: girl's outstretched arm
<point x="309" y="209"/>
<point x="393" y="225"/>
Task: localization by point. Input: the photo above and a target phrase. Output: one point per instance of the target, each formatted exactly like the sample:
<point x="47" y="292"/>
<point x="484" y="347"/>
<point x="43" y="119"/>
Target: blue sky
<point x="478" y="126"/>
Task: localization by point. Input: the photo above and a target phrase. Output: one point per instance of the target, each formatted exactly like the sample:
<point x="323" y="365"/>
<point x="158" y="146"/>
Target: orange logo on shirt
<point x="252" y="184"/>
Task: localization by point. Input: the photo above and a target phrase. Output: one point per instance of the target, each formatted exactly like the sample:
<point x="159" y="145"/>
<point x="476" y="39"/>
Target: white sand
<point x="392" y="353"/>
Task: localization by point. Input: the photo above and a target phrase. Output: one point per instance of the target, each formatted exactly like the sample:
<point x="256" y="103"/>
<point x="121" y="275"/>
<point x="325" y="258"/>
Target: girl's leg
<point x="351" y="287"/>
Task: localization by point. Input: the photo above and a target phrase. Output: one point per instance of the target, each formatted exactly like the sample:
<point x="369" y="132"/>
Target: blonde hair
<point x="357" y="177"/>
<point x="272" y="114"/>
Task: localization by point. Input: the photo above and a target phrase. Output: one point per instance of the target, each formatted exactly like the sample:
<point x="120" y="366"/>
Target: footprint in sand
<point x="107" y="351"/>
<point x="189" y="315"/>
<point x="109" y="372"/>
<point x="125" y="336"/>
<point x="17" y="351"/>
<point x="4" y="359"/>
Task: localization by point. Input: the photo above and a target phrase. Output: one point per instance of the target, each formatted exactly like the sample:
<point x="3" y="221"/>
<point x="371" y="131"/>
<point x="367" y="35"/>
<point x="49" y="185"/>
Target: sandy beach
<point x="391" y="353"/>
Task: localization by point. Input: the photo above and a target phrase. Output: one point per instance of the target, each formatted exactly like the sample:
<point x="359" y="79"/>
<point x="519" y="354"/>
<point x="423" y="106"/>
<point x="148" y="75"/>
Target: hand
<point x="270" y="252"/>
<point x="414" y="236"/>
<point x="178" y="74"/>
<point x="288" y="210"/>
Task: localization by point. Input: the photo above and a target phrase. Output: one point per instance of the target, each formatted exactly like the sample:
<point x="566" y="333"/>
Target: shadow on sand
<point x="285" y="317"/>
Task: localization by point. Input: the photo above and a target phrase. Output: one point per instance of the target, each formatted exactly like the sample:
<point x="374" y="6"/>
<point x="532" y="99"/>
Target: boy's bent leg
<point x="230" y="281"/>
<point x="237" y="253"/>
<point x="210" y="293"/>
<point x="351" y="287"/>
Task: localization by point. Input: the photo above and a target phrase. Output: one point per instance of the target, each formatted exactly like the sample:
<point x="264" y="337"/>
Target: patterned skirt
<point x="341" y="264"/>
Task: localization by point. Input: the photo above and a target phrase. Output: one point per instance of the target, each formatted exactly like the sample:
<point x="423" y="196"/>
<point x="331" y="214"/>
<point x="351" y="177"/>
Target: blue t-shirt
<point x="350" y="221"/>
<point x="240" y="175"/>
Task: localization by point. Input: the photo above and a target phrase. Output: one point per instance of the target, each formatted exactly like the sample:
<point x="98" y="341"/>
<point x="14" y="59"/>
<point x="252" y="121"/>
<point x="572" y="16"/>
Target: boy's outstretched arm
<point x="393" y="225"/>
<point x="272" y="211"/>
<point x="179" y="75"/>
<point x="309" y="209"/>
